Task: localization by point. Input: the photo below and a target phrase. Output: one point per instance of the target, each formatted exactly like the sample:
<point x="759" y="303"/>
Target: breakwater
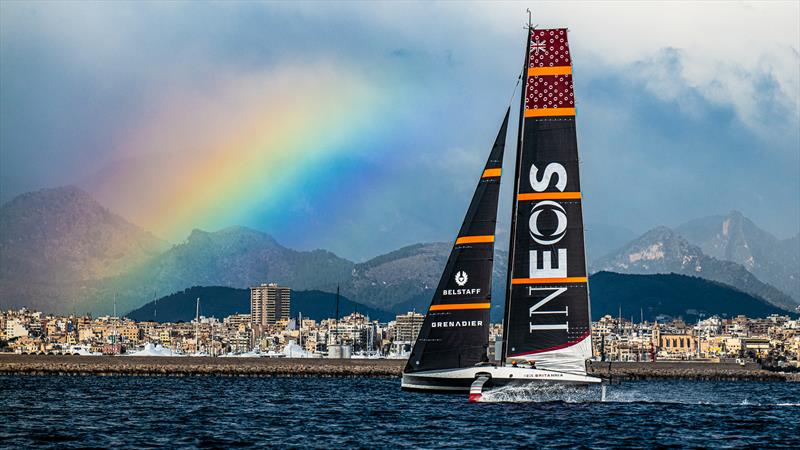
<point x="185" y="366"/>
<point x="685" y="370"/>
<point x="383" y="368"/>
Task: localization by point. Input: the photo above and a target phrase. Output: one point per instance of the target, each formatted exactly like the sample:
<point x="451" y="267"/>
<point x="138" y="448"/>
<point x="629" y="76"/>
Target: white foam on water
<point x="541" y="392"/>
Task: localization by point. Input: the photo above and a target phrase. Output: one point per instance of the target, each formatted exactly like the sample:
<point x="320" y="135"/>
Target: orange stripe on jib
<point x="557" y="70"/>
<point x="475" y="239"/>
<point x="549" y="196"/>
<point x="549" y="280"/>
<point x="491" y="173"/>
<point x="549" y="112"/>
<point x="455" y="306"/>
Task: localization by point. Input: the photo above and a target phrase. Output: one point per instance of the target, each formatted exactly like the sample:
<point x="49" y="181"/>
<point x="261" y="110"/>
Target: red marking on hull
<point x="557" y="347"/>
<point x="473" y="398"/>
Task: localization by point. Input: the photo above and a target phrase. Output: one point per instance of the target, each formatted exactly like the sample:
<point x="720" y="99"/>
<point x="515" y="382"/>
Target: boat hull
<point x="460" y="380"/>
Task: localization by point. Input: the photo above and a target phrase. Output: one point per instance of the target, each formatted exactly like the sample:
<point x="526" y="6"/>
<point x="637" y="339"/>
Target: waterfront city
<point x="270" y="330"/>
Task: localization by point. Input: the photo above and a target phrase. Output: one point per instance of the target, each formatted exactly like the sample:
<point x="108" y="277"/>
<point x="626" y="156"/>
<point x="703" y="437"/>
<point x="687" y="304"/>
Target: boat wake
<point x="542" y="393"/>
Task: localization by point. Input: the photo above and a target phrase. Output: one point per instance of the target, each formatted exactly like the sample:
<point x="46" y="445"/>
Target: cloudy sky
<point x="362" y="127"/>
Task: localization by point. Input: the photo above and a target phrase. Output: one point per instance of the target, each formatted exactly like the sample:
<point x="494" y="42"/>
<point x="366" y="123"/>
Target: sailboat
<point x="547" y="326"/>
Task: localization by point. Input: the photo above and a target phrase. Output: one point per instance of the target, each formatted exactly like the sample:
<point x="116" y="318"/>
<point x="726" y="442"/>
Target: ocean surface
<point x="93" y="411"/>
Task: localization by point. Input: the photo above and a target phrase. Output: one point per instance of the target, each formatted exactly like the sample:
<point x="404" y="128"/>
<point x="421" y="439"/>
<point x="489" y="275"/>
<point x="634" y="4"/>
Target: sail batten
<point x="455" y="332"/>
<point x="547" y="306"/>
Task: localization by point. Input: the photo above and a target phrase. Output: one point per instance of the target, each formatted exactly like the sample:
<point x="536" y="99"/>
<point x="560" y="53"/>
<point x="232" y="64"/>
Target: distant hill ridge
<point x="671" y="295"/>
<point x="220" y="302"/>
<point x="674" y="295"/>
<point x="239" y="257"/>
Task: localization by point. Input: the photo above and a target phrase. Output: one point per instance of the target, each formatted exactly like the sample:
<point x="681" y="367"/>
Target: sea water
<point x="357" y="412"/>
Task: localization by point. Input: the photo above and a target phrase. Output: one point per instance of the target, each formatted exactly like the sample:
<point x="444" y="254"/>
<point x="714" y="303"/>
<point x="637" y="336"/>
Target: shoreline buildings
<point x="773" y="340"/>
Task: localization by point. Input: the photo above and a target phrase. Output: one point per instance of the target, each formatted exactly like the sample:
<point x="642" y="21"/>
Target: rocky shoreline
<point x="381" y="368"/>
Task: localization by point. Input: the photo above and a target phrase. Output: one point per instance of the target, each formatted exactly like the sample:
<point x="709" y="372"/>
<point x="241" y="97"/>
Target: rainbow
<point x="283" y="147"/>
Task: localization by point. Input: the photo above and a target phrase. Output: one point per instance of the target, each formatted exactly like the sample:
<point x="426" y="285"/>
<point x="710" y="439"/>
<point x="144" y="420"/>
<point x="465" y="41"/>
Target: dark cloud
<point x="658" y="146"/>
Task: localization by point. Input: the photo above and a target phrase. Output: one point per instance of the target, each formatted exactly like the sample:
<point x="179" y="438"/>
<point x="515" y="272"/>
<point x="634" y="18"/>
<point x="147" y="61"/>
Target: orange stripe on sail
<point x="549" y="280"/>
<point x="549" y="196"/>
<point x="549" y="112"/>
<point x="491" y="173"/>
<point x="455" y="306"/>
<point x="474" y="240"/>
<point x="557" y="70"/>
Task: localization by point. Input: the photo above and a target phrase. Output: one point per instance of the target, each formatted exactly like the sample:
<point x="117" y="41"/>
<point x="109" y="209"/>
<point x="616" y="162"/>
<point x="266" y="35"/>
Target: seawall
<point x="386" y="368"/>
<point x="685" y="370"/>
<point x="185" y="366"/>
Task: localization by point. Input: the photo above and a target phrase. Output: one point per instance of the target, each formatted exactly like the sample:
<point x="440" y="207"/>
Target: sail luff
<point x="517" y="165"/>
<point x="455" y="330"/>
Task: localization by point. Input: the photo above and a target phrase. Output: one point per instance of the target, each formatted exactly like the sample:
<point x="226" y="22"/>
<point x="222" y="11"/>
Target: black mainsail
<point x="547" y="302"/>
<point x="455" y="332"/>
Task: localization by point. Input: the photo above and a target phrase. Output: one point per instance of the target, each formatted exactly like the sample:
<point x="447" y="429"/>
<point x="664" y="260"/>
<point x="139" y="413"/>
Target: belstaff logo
<point x="461" y="279"/>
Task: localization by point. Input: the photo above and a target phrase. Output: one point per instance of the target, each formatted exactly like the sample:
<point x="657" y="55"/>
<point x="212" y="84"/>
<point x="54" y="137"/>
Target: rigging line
<point x="514" y="91"/>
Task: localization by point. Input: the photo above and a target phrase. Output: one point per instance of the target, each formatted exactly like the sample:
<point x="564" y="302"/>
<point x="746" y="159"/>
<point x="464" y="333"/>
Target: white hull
<point x="459" y="380"/>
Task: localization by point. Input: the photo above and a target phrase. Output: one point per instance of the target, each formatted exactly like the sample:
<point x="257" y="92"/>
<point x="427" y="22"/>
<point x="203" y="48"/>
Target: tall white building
<point x="407" y="327"/>
<point x="14" y="328"/>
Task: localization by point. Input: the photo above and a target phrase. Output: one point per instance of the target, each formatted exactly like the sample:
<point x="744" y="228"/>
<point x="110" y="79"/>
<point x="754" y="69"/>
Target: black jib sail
<point x="547" y="302"/>
<point x="455" y="332"/>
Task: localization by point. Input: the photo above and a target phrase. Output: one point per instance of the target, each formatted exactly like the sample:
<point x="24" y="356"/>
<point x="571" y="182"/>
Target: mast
<point x="517" y="166"/>
<point x="213" y="347"/>
<point x="114" y="333"/>
<point x="370" y="338"/>
<point x="336" y="330"/>
<point x="197" y="326"/>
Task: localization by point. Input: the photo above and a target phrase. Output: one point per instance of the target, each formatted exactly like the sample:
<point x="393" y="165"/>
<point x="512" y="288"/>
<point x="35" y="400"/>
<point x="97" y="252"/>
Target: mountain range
<point x="662" y="250"/>
<point x="61" y="251"/>
<point x="734" y="237"/>
<point x="59" y="247"/>
<point x="63" y="234"/>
